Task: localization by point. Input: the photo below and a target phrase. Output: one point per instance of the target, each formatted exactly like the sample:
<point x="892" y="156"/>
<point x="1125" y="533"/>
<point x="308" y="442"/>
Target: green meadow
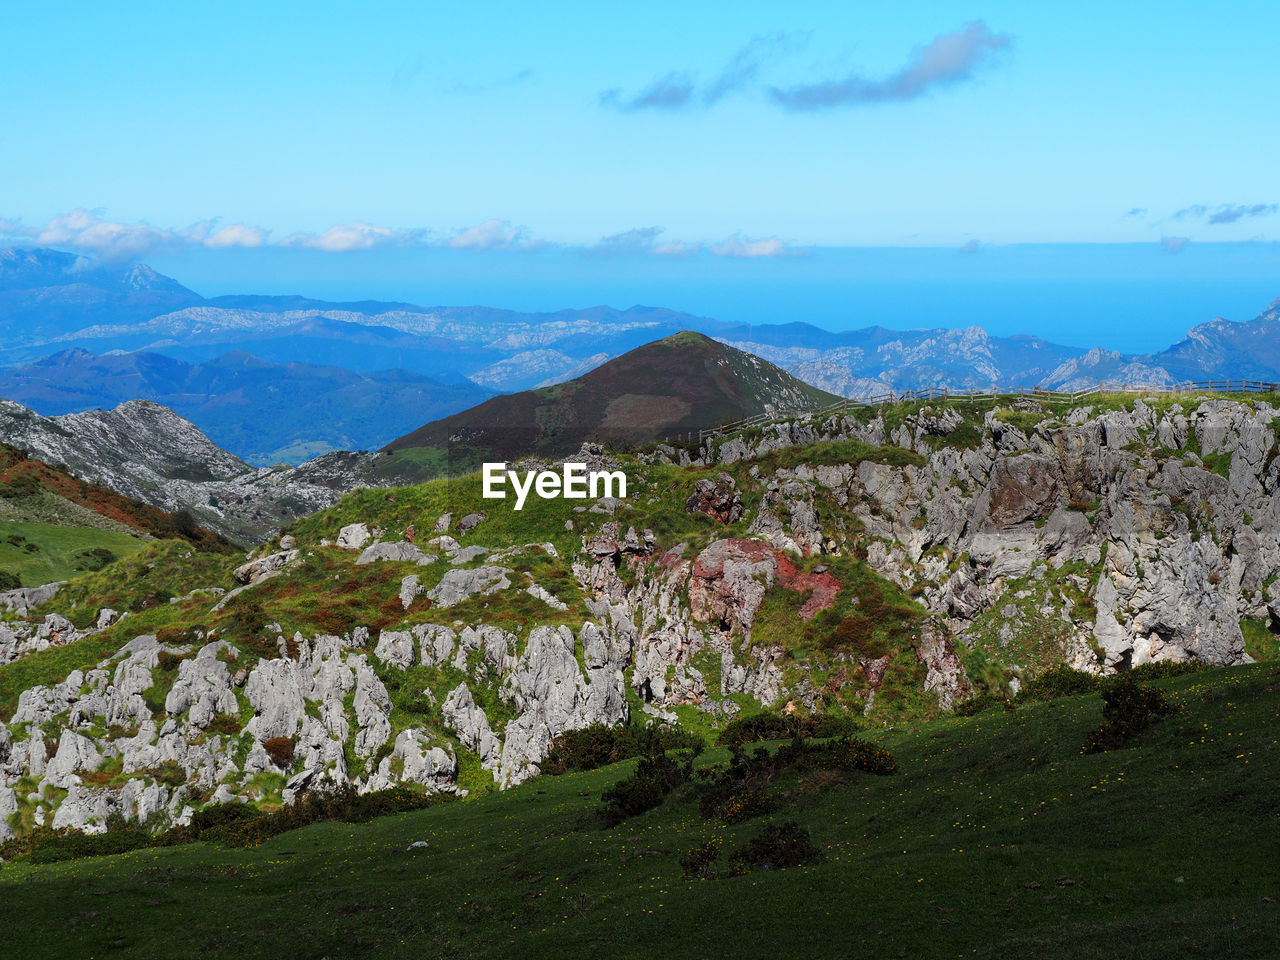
<point x="996" y="837"/>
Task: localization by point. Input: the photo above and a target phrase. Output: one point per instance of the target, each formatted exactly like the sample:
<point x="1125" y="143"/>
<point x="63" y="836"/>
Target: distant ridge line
<point x="996" y="392"/>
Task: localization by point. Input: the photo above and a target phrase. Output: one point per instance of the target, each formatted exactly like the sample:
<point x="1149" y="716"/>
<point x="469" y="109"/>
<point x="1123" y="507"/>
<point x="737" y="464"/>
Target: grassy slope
<point x="1168" y="845"/>
<point x="56" y="556"/>
<point x="32" y="490"/>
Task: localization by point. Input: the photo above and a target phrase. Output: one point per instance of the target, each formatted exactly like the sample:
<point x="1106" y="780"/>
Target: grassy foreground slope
<point x="39" y="553"/>
<point x="996" y="838"/>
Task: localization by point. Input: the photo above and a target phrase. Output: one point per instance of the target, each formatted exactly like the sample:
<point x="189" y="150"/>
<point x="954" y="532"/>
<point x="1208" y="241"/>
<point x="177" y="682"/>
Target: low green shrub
<point x="1058" y="682"/>
<point x="983" y="701"/>
<point x="237" y="825"/>
<point x="52" y="846"/>
<point x="1127" y="707"/>
<point x="734" y="792"/>
<point x="9" y="581"/>
<point x="697" y="863"/>
<point x="1164" y="669"/>
<point x="598" y="746"/>
<point x="778" y="726"/>
<point x="777" y="847"/>
<point x="646" y="788"/>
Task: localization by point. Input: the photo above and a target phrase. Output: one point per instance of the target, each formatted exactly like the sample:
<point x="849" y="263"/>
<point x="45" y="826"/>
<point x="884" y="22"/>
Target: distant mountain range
<point x="1217" y="350"/>
<point x="321" y="375"/>
<point x="146" y="451"/>
<point x="265" y="413"/>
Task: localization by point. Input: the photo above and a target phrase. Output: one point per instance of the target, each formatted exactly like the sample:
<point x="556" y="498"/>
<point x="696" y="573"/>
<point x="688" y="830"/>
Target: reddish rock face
<point x="824" y="586"/>
<point x="716" y="498"/>
<point x="874" y="669"/>
<point x="730" y="577"/>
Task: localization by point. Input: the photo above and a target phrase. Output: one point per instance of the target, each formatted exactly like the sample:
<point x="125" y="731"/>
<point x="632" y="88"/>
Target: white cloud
<point x="236" y="235"/>
<point x="740" y="246"/>
<point x="490" y="235"/>
<point x="344" y="237"/>
<point x="87" y="231"/>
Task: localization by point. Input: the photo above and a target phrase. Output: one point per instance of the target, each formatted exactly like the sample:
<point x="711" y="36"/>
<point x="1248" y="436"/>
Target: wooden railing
<point x="952" y="395"/>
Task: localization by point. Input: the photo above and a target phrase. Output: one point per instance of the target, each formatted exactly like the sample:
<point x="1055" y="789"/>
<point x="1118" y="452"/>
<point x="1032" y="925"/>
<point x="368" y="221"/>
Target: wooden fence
<point x="995" y="393"/>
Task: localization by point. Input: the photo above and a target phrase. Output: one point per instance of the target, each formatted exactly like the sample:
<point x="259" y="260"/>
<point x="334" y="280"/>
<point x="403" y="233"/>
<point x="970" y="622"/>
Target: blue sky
<point x="740" y="132"/>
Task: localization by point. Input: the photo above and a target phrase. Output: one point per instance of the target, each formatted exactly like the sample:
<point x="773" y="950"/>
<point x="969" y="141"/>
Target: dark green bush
<point x="93" y="559"/>
<point x="52" y="846"/>
<point x="777" y="847"/>
<point x="697" y="862"/>
<point x="733" y="792"/>
<point x="1164" y="669"/>
<point x="646" y="788"/>
<point x="344" y="804"/>
<point x="598" y="746"/>
<point x="1059" y="682"/>
<point x="9" y="581"/>
<point x="1127" y="707"/>
<point x="983" y="701"/>
<point x="778" y="726"/>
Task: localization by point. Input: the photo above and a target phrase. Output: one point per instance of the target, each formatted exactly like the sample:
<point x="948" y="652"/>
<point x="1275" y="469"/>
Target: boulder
<point x="471" y="521"/>
<point x="255" y="571"/>
<point x="459" y="584"/>
<point x="717" y="498"/>
<point x="353" y="536"/>
<point x="400" y="551"/>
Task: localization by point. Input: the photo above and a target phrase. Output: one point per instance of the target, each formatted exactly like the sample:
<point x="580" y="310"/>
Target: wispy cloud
<point x="948" y="59"/>
<point x="743" y="69"/>
<point x="1230" y="213"/>
<point x="672" y="91"/>
<point x="88" y="232"/>
<point x="647" y="241"/>
<point x="679" y="89"/>
<point x="640" y="240"/>
<point x="491" y="235"/>
<point x="1226" y="212"/>
<point x="511" y="80"/>
<point x="1135" y="212"/>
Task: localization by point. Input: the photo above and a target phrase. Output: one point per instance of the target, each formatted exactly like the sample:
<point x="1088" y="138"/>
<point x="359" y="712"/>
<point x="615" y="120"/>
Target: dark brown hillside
<point x="685" y="382"/>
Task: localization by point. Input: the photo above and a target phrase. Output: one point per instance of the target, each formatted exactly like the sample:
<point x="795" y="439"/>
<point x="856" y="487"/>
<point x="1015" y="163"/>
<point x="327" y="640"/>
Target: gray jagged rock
<point x="459" y="584"/>
<point x="471" y="725"/>
<point x="353" y="536"/>
<point x="421" y="759"/>
<point x="255" y="571"/>
<point x="470" y="522"/>
<point x="552" y="696"/>
<point x="23" y="600"/>
<point x="203" y="687"/>
<point x="399" y="552"/>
